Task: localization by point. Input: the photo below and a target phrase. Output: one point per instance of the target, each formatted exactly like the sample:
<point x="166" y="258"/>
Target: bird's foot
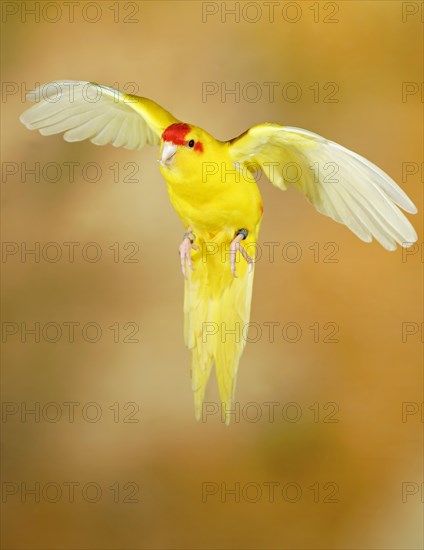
<point x="184" y="250"/>
<point x="236" y="246"/>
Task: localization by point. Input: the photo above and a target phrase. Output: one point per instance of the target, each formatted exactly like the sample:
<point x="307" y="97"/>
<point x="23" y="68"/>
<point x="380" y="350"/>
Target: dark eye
<point x="191" y="143"/>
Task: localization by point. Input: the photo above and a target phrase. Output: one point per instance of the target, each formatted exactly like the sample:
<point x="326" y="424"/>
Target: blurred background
<point x="112" y="456"/>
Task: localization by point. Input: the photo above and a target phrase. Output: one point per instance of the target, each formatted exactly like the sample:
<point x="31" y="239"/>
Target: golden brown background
<point x="369" y="51"/>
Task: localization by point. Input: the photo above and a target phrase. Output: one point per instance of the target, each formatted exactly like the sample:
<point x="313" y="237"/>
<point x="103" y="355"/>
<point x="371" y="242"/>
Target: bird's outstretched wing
<point x="338" y="182"/>
<point x="84" y="110"/>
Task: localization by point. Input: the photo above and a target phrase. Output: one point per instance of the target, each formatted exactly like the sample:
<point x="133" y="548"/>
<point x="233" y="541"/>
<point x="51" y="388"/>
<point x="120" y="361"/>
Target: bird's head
<point x="181" y="143"/>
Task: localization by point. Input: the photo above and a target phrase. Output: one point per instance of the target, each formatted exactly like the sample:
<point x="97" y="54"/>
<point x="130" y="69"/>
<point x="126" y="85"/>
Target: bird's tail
<point x="217" y="310"/>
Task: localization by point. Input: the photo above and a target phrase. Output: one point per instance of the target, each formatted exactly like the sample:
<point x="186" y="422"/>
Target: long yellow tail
<point x="217" y="310"/>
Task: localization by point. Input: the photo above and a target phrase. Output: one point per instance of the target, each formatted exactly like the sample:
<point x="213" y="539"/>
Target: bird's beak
<point x="168" y="151"/>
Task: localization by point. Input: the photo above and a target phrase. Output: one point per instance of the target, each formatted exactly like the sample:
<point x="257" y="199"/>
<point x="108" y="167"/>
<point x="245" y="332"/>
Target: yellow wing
<point x="338" y="182"/>
<point x="84" y="110"/>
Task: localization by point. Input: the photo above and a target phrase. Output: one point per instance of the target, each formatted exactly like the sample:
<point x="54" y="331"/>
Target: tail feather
<point x="217" y="310"/>
<point x="200" y="373"/>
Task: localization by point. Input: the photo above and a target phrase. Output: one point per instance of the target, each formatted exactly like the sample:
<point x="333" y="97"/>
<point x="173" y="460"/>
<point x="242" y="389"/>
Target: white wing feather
<point x="338" y="182"/>
<point x="84" y="110"/>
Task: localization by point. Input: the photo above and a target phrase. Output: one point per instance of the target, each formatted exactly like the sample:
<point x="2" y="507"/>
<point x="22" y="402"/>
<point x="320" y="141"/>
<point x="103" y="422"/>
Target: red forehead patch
<point x="176" y="133"/>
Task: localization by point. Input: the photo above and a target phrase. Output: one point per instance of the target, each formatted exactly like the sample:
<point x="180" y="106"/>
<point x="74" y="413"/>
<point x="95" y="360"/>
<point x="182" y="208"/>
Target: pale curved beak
<point x="168" y="151"/>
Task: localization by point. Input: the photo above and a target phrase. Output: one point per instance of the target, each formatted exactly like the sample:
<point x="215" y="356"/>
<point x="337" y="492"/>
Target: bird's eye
<point x="191" y="143"/>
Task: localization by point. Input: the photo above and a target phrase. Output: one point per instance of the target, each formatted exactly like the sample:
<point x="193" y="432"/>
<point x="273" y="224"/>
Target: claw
<point x="234" y="247"/>
<point x="184" y="251"/>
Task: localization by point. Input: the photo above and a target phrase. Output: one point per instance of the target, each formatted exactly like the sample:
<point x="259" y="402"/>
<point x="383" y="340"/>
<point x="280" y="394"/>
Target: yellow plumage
<point x="213" y="198"/>
<point x="212" y="187"/>
<point x="216" y="308"/>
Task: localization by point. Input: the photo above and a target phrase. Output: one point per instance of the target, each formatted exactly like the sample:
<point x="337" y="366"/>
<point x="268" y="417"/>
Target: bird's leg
<point x="235" y="245"/>
<point x="184" y="250"/>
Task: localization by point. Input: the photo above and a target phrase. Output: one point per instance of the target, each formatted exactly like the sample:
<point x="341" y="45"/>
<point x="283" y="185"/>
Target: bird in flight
<point x="212" y="186"/>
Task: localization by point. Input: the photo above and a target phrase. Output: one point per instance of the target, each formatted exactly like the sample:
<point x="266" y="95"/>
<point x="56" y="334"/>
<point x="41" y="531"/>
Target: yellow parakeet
<point x="212" y="187"/>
